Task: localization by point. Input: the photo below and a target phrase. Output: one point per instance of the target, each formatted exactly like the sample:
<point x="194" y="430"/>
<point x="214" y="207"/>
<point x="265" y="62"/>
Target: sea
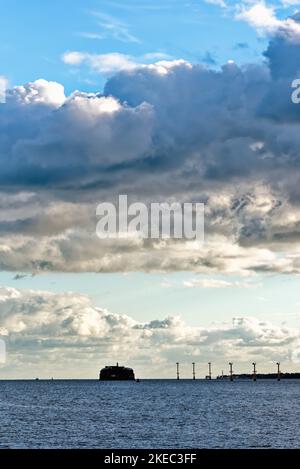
<point x="150" y="414"/>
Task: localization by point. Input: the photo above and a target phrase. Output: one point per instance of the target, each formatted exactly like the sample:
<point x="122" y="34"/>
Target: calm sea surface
<point x="150" y="414"/>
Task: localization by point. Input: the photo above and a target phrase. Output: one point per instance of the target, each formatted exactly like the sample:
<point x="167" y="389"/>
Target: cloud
<point x="82" y="128"/>
<point x="216" y="283"/>
<point x="3" y="80"/>
<point x="101" y="63"/>
<point x="20" y="276"/>
<point x="241" y="45"/>
<point x="3" y="88"/>
<point x="62" y="238"/>
<point x="288" y="3"/>
<point x="263" y="18"/>
<point x="109" y="64"/>
<point x="219" y="3"/>
<point x="113" y="28"/>
<point x="66" y="334"/>
<point x="164" y="131"/>
<point x="156" y="56"/>
<point x="209" y="58"/>
<point x="40" y="92"/>
<point x="97" y="36"/>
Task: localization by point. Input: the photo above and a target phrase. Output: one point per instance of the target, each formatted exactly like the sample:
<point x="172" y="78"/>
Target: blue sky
<point x="33" y="41"/>
<point x="222" y="134"/>
<point x="157" y="295"/>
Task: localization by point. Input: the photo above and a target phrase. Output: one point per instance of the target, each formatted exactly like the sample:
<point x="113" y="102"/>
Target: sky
<point x="185" y="101"/>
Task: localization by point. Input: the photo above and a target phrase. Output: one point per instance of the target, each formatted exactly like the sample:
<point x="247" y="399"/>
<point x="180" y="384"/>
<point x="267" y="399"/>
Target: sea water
<point x="150" y="414"/>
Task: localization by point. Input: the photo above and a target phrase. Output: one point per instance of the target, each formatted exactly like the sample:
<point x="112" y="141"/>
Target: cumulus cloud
<point x="263" y="18"/>
<point x="40" y="92"/>
<point x="167" y="131"/>
<point x="43" y="329"/>
<point x="56" y="137"/>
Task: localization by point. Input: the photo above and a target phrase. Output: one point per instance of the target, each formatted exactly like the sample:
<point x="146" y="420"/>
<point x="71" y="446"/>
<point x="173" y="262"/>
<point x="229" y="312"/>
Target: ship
<point x="116" y="373"/>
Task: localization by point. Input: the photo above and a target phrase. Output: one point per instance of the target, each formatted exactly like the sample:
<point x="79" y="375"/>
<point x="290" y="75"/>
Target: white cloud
<point x="109" y="64"/>
<point x="288" y="3"/>
<point x="3" y="80"/>
<point x="65" y="333"/>
<point x="217" y="283"/>
<point x="97" y="36"/>
<point x="3" y="88"/>
<point x="73" y="58"/>
<point x="263" y="18"/>
<point x="112" y="27"/>
<point x="101" y="63"/>
<point x="219" y="3"/>
<point x="156" y="56"/>
<point x="40" y="92"/>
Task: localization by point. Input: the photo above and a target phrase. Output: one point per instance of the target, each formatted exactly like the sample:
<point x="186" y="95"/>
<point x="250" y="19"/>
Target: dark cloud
<point x="241" y="45"/>
<point x="225" y="137"/>
<point x="209" y="58"/>
<point x="20" y="276"/>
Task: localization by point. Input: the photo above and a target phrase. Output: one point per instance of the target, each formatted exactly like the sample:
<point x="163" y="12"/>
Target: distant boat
<point x="116" y="373"/>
